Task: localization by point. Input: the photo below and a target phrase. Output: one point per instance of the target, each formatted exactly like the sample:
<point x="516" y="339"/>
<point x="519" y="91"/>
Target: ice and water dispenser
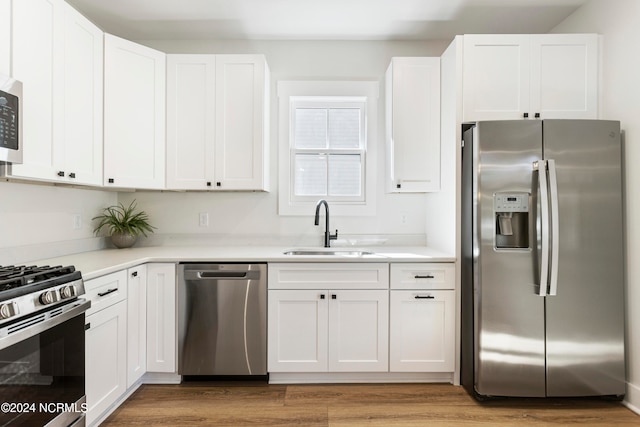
<point x="512" y="220"/>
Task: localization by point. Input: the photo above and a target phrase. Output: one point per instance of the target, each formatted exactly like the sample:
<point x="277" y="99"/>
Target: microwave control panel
<point x="8" y="120"/>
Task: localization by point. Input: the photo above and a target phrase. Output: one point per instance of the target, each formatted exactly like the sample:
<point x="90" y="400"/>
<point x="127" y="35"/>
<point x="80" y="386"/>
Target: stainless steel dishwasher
<point x="222" y="319"/>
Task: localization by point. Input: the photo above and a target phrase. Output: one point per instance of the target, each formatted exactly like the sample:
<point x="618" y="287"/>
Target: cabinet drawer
<point x="423" y="276"/>
<point x="328" y="276"/>
<point x="106" y="290"/>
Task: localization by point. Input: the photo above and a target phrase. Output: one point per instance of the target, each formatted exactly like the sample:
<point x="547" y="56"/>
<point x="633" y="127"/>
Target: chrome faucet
<point x="328" y="237"/>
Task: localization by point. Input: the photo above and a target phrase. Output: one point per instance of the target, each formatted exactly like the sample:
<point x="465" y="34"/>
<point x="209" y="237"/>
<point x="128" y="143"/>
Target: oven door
<point x="42" y="368"/>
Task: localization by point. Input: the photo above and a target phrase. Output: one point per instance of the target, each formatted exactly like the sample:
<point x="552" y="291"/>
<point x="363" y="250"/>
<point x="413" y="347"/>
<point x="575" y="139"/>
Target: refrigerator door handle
<point x="555" y="236"/>
<point x="541" y="167"/>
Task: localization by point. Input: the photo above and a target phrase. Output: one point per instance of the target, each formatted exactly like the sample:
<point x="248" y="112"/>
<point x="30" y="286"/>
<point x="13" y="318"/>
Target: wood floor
<point x="211" y="404"/>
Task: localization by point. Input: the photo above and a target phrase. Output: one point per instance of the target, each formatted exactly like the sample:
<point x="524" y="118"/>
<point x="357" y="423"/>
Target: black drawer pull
<point x="334" y="296"/>
<point x="107" y="292"/>
<point x="428" y="276"/>
<point x="134" y="274"/>
<point x="322" y="296"/>
<point x="87" y="326"/>
<point x="424" y="297"/>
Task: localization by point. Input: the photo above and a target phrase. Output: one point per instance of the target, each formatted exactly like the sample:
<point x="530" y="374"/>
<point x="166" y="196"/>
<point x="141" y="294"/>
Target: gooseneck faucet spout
<point x="328" y="237"/>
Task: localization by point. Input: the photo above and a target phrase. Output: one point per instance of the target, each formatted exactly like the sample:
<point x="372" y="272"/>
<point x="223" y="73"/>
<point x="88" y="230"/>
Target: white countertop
<point x="98" y="263"/>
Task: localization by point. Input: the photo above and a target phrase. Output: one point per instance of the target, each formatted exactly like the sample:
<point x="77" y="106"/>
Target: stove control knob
<point x="67" y="292"/>
<point x="8" y="310"/>
<point x="49" y="297"/>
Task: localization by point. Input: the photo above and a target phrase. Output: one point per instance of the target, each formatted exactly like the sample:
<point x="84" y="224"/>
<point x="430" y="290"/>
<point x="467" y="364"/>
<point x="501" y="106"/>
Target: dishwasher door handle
<point x="196" y="275"/>
<point x="222" y="274"/>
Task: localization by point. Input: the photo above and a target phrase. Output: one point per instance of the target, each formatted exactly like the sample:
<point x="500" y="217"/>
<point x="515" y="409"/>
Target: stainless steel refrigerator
<point x="542" y="259"/>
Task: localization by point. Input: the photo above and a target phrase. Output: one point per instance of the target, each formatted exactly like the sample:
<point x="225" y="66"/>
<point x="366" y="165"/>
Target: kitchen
<point x="39" y="221"/>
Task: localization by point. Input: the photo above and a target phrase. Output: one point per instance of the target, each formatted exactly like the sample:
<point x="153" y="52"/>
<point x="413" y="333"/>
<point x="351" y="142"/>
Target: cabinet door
<point x="136" y="323"/>
<point x="359" y="331"/>
<point x="83" y="61"/>
<point x="190" y="121"/>
<point x="413" y="124"/>
<point x="105" y="359"/>
<point x="161" y="318"/>
<point x="297" y="331"/>
<point x="134" y="115"/>
<point x="422" y="332"/>
<point x="564" y="76"/>
<point x="496" y="77"/>
<point x="5" y="37"/>
<point x="38" y="52"/>
<point x="242" y="87"/>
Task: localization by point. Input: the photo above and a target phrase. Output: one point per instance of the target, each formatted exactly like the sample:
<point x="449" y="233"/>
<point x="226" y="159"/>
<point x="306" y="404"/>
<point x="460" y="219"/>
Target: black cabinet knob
<point x="110" y="180"/>
<point x="525" y="115"/>
<point x="537" y="115"/>
<point x="60" y="173"/>
<point x="334" y="296"/>
<point x="72" y="175"/>
<point x="218" y="184"/>
<point x="208" y="183"/>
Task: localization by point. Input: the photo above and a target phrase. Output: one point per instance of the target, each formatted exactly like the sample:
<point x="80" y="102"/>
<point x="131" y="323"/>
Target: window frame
<point x="289" y="92"/>
<point x="329" y="103"/>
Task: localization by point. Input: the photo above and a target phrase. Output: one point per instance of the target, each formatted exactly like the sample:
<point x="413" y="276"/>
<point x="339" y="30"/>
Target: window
<point x="327" y="140"/>
<point x="328" y="148"/>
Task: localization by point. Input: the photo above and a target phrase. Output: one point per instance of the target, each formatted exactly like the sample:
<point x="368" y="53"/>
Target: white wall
<point x="37" y="221"/>
<point x="239" y="216"/>
<point x="617" y="22"/>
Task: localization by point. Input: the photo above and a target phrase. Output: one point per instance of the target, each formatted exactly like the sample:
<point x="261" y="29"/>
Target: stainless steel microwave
<point x="10" y="120"/>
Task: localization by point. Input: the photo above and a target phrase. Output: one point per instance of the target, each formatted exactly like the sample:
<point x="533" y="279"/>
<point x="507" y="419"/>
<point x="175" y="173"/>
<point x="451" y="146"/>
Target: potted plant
<point x="123" y="224"/>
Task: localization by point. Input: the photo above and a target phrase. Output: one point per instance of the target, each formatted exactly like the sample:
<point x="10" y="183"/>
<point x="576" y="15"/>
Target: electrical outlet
<point x="77" y="221"/>
<point x="204" y="219"/>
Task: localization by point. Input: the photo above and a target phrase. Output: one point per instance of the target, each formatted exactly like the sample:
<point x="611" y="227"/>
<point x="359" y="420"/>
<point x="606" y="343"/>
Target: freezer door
<point x="508" y="313"/>
<point x="585" y="320"/>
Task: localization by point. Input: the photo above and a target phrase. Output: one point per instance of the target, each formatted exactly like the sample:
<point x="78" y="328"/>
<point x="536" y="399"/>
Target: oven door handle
<point x="9" y="339"/>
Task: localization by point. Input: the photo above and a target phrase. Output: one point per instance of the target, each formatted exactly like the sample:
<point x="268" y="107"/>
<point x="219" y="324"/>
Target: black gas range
<point x="42" y="366"/>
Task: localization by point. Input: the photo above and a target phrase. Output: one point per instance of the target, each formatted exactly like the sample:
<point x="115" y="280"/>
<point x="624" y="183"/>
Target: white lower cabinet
<point x="161" y="318"/>
<point x="106" y="343"/>
<point x="331" y="317"/>
<point x="328" y="330"/>
<point x="422" y="317"/>
<point x="298" y="331"/>
<point x="421" y="330"/>
<point x="136" y="323"/>
<point x="359" y="331"/>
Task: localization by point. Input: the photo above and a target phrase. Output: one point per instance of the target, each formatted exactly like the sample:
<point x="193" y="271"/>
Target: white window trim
<point x="288" y="90"/>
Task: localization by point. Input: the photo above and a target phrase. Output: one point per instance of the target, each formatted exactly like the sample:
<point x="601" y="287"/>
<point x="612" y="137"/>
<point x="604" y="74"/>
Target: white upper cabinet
<point x="190" y="121"/>
<point x="564" y="76"/>
<point x="217" y="122"/>
<point x="58" y="55"/>
<point x="530" y="76"/>
<point x="134" y="115"/>
<point x="38" y="45"/>
<point x="83" y="101"/>
<point x="5" y="37"/>
<point x="242" y="122"/>
<point x="413" y="125"/>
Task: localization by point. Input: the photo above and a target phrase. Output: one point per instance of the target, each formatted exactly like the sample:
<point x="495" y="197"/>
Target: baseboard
<point x="359" y="378"/>
<point x="632" y="398"/>
<point x="161" y="378"/>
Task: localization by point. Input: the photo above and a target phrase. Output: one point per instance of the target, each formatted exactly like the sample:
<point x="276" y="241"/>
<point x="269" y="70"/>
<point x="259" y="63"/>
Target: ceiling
<point x="322" y="19"/>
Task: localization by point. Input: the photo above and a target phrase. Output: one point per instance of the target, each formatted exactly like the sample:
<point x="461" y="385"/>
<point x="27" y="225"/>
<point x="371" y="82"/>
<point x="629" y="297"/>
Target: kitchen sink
<point x="321" y="252"/>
